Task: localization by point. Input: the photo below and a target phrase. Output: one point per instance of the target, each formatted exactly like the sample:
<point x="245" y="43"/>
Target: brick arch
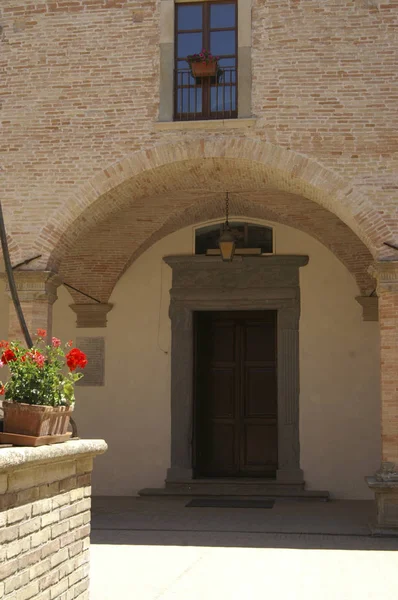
<point x="283" y="169"/>
<point x="321" y="225"/>
<point x="101" y="256"/>
<point x="14" y="250"/>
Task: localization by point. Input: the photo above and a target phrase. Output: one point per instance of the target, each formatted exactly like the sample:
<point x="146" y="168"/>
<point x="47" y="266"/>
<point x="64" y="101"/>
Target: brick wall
<point x="45" y="520"/>
<point x="80" y="97"/>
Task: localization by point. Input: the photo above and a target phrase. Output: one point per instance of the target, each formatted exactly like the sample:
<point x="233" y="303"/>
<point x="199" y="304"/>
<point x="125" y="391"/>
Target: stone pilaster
<point x="181" y="392"/>
<point x="386" y="275"/>
<point x="91" y="315"/>
<point x="37" y="291"/>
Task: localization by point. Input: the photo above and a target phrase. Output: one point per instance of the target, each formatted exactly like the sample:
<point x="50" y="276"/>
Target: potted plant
<point x="39" y="394"/>
<point x="203" y="64"/>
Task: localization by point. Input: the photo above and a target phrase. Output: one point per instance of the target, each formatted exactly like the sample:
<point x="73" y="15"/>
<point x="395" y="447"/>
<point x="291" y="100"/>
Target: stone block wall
<point x="45" y="520"/>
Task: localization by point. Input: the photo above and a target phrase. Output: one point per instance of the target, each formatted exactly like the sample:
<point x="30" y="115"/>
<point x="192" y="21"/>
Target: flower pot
<point x="200" y="69"/>
<point x="36" y="420"/>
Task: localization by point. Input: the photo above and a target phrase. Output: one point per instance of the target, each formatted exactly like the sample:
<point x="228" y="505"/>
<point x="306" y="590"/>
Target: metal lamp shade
<point x="226" y="244"/>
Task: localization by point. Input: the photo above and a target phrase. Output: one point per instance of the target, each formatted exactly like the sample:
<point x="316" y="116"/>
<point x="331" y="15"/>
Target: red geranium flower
<point x="41" y="333"/>
<point x="4" y="344"/>
<point x="76" y="358"/>
<point x="2" y="390"/>
<point x="8" y="356"/>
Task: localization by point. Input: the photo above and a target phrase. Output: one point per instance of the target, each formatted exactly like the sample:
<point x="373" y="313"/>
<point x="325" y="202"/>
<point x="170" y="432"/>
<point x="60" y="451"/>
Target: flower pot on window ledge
<point x="200" y="69"/>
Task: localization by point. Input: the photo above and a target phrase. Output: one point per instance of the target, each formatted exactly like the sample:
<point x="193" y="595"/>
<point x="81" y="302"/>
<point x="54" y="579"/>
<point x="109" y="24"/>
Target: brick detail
<point x="37" y="291"/>
<point x="386" y="274"/>
<point x="44" y="543"/>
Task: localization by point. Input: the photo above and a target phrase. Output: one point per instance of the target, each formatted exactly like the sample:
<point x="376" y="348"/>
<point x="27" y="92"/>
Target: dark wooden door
<point x="235" y="394"/>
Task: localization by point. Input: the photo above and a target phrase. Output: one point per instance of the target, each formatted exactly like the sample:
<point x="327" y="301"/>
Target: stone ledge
<point x="20" y="457"/>
<point x="245" y="123"/>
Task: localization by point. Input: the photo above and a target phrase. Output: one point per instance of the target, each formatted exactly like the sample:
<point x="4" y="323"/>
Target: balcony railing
<point x="198" y="98"/>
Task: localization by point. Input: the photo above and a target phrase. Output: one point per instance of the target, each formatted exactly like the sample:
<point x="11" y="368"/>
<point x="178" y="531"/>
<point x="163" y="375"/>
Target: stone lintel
<point x="386" y="275"/>
<point x="91" y="315"/>
<point x="201" y="260"/>
<point x="35" y="286"/>
<point x="370" y="307"/>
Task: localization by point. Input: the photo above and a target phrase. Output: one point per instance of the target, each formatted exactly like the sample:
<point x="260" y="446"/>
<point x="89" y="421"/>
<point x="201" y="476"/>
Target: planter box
<point x="36" y="420"/>
<point x="200" y="69"/>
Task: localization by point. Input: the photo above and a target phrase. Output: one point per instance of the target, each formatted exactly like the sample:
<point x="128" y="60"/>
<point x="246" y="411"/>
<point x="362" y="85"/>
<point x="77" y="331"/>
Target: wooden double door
<point x="235" y="431"/>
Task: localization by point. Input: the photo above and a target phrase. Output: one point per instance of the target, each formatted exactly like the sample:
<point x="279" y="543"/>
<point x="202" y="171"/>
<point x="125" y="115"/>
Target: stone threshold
<point x="234" y="489"/>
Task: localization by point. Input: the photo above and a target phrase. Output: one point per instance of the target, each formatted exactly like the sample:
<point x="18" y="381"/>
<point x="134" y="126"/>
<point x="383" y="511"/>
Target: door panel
<point x="260" y="446"/>
<point x="221" y="393"/>
<point x="260" y="392"/>
<point x="235" y="394"/>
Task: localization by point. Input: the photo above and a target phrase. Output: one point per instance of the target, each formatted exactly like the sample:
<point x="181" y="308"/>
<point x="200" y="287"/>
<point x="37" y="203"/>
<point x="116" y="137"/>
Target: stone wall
<point x="45" y="520"/>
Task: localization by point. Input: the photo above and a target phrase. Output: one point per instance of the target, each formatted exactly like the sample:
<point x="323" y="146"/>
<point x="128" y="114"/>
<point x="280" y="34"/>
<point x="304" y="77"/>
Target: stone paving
<point x="157" y="549"/>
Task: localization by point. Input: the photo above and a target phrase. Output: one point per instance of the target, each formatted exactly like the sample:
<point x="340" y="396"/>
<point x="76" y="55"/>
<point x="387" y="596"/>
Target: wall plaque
<point x="94" y="372"/>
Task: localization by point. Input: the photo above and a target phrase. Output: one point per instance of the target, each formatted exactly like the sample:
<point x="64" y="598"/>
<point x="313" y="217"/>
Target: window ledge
<point x="210" y="124"/>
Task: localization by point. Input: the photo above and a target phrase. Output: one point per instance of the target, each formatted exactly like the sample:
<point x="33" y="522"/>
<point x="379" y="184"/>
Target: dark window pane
<point x="227" y="62"/>
<point x="227" y="76"/>
<point x="189" y="43"/>
<point x="184" y="76"/>
<point x="182" y="65"/>
<point x="189" y="17"/>
<point x="247" y="236"/>
<point x="260" y="237"/>
<point x="186" y="100"/>
<point x="222" y="42"/>
<point x="222" y="15"/>
<point x="223" y="98"/>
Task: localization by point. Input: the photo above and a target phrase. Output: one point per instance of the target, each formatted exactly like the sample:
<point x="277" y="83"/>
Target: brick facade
<point x="80" y="101"/>
<point x="90" y="179"/>
<point x="45" y="521"/>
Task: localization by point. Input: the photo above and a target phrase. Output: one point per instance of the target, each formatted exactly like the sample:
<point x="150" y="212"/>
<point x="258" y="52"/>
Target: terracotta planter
<point x="200" y="69"/>
<point x="36" y="420"/>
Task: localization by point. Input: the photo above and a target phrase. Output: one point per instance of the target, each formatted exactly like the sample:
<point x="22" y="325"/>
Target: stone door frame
<point x="203" y="283"/>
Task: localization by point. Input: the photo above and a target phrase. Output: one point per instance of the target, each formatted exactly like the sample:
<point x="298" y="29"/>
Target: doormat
<point x="229" y="503"/>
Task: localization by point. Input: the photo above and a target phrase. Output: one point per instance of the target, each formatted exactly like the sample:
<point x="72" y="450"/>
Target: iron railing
<point x="198" y="98"/>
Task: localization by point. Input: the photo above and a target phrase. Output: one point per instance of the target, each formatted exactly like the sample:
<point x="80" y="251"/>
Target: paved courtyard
<point x="157" y="549"/>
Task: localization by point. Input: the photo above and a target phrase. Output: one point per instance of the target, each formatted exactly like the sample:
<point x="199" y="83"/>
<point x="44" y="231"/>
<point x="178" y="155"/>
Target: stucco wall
<point x="339" y="401"/>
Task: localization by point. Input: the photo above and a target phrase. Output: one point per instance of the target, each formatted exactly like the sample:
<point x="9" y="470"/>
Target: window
<point x="213" y="26"/>
<point x="247" y="235"/>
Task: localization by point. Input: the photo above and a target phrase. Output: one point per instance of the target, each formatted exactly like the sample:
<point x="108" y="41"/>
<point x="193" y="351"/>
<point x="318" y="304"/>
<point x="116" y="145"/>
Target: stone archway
<point x="148" y="172"/>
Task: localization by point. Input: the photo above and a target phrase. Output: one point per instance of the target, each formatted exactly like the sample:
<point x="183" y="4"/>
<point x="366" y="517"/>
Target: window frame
<point x="166" y="67"/>
<point x="206" y="84"/>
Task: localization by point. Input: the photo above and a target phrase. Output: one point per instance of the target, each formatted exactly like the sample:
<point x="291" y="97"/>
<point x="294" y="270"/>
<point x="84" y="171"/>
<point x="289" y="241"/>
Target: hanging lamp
<point x="227" y="240"/>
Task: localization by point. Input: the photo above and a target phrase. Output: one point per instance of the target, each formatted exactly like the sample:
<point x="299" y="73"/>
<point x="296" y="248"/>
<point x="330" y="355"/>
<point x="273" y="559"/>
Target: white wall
<point x="339" y="401"/>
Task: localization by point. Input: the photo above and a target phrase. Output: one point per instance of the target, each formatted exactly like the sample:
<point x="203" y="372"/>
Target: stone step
<point x="232" y="488"/>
